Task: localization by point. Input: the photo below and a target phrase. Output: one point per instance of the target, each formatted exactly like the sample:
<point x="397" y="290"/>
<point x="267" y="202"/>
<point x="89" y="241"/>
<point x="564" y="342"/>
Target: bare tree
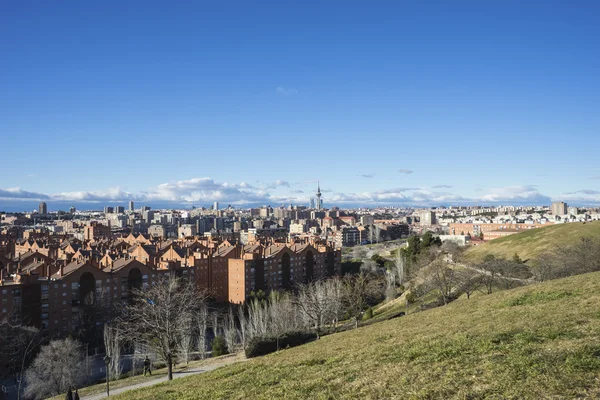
<point x="230" y="331"/>
<point x="335" y="293"/>
<point x="18" y="342"/>
<point x="25" y="342"/>
<point x="112" y="344"/>
<point x="187" y="333"/>
<point x="468" y="281"/>
<point x="154" y="316"/>
<point x="258" y="318"/>
<point x="490" y="273"/>
<point x="57" y="367"/>
<point x="443" y="279"/>
<point x="360" y="291"/>
<point x="545" y="267"/>
<point x="314" y="303"/>
<point x="243" y="320"/>
<point x="202" y="325"/>
<point x="282" y="314"/>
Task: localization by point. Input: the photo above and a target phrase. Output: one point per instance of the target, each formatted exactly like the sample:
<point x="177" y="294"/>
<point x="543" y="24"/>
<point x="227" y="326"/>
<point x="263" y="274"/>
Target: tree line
<point x="172" y="320"/>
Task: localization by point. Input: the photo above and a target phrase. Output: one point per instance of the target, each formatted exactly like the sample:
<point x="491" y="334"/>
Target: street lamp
<point x="106" y="362"/>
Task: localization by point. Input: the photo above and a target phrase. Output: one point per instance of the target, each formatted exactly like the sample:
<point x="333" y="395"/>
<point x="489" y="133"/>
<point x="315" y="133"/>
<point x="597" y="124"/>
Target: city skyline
<point x="400" y="104"/>
<point x="245" y="195"/>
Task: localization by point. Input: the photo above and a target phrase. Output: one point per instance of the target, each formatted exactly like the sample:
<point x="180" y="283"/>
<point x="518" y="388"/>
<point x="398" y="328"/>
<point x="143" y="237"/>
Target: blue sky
<point x="253" y="102"/>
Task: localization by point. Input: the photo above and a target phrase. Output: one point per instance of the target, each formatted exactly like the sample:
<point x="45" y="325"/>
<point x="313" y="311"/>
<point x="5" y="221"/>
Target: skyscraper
<point x="319" y="201"/>
<point x="559" y="208"/>
<point x="43" y="208"/>
<point x="131" y="208"/>
<point x="216" y="206"/>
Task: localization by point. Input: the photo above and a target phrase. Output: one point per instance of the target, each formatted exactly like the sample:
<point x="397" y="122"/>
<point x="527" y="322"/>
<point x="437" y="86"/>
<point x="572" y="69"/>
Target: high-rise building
<point x="559" y="208"/>
<point x="119" y="209"/>
<point x="108" y="210"/>
<point x="43" y="208"/>
<point x="319" y="204"/>
<point x="216" y="206"/>
<point x="428" y="218"/>
<point x="311" y="203"/>
<point x="573" y="210"/>
<point x="72" y="210"/>
<point x="131" y="208"/>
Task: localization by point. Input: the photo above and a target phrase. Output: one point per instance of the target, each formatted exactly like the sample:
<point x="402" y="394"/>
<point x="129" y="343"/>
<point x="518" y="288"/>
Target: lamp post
<point x="106" y="362"/>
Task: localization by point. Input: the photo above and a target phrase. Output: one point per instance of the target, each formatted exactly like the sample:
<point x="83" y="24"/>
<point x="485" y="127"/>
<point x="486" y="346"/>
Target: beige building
<point x="559" y="208"/>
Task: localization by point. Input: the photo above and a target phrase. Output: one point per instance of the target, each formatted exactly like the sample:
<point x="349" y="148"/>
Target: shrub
<point x="368" y="314"/>
<point x="219" y="347"/>
<point x="259" y="346"/>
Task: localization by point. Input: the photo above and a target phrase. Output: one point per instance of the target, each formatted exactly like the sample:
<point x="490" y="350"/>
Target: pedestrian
<point x="76" y="395"/>
<point x="147" y="366"/>
<point x="69" y="395"/>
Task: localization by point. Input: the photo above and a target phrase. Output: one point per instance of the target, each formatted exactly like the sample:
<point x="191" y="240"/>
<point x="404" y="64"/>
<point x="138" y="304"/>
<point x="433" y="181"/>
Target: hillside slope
<point x="529" y="244"/>
<point x="535" y="342"/>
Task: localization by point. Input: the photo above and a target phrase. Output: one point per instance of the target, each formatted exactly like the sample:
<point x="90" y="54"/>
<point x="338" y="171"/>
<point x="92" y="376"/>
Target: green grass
<point x="529" y="244"/>
<point x="536" y="342"/>
<point x="156" y="374"/>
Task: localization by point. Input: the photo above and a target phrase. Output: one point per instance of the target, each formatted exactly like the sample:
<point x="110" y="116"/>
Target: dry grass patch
<point x="535" y="342"/>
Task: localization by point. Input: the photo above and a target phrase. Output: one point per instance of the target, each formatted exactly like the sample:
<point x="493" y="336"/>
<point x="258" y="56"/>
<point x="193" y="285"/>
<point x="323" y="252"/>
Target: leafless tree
<point x="154" y="316"/>
<point x="359" y="292"/>
<point x="243" y="321"/>
<point x="545" y="267"/>
<point x="335" y="293"/>
<point x="57" y="367"/>
<point x="187" y="334"/>
<point x="468" y="281"/>
<point x="314" y="304"/>
<point x="112" y="343"/>
<point x="230" y="331"/>
<point x="443" y="279"/>
<point x="201" y="325"/>
<point x="282" y="314"/>
<point x="18" y="342"/>
<point x="490" y="273"/>
<point x="258" y="318"/>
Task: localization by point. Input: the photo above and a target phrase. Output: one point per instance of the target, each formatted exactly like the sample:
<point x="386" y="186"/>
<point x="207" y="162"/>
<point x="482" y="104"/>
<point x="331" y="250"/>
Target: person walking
<point x="76" y="395"/>
<point x="69" y="395"/>
<point x="147" y="366"/>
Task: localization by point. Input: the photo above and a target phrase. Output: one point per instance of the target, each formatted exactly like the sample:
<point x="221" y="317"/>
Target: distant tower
<point x="319" y="204"/>
<point x="311" y="203"/>
<point x="216" y="206"/>
<point x="131" y="208"/>
<point x="43" y="208"/>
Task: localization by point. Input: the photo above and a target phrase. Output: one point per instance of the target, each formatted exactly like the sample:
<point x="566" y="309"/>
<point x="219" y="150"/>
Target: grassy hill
<point x="534" y="342"/>
<point x="531" y="243"/>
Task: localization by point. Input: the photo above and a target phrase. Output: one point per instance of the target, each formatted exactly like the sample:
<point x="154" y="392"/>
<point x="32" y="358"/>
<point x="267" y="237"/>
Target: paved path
<point x="176" y="375"/>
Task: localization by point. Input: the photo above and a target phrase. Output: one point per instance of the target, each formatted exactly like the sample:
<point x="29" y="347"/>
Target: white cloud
<point x="442" y="187"/>
<point x="286" y="91"/>
<point x="367" y="175"/>
<point x="18" y="193"/>
<point x="206" y="190"/>
<point x="524" y="194"/>
<point x="405" y="171"/>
